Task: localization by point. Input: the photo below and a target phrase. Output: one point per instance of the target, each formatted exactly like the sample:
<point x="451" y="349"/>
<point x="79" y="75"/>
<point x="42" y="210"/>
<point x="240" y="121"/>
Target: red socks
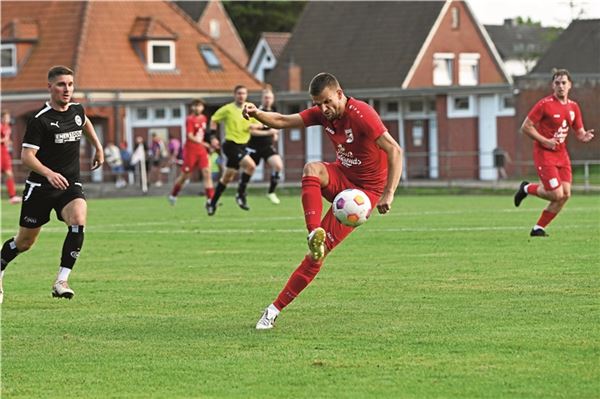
<point x="10" y="187"/>
<point x="532" y="188"/>
<point x="210" y="192"/>
<point x="545" y="219"/>
<point x="302" y="276"/>
<point x="312" y="202"/>
<point x="176" y="189"/>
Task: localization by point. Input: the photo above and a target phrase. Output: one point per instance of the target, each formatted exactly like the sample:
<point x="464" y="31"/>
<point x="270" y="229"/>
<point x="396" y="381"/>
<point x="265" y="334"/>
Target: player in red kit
<point x="195" y="152"/>
<point x="367" y="158"/>
<point x="6" y="159"/>
<point x="548" y="124"/>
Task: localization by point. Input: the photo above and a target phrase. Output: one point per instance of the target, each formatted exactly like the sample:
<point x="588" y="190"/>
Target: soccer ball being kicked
<point x="352" y="207"/>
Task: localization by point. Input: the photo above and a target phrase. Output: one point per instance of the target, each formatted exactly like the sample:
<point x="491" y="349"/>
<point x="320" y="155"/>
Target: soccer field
<point x="447" y="296"/>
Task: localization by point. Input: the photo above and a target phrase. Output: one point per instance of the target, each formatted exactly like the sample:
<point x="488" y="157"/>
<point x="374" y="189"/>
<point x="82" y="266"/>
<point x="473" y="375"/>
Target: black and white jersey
<point x="262" y="141"/>
<point x="56" y="135"/>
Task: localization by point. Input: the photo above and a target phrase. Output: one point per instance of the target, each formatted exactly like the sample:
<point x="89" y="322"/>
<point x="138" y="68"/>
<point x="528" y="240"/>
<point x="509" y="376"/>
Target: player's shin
<point x="274" y="181"/>
<point x="71" y="247"/>
<point x="244" y="179"/>
<point x="300" y="278"/>
<point x="311" y="201"/>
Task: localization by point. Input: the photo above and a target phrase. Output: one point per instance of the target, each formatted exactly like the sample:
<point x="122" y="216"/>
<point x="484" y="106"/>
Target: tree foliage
<point x="251" y="18"/>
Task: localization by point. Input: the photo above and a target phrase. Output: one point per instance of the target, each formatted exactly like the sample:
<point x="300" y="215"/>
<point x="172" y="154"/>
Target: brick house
<point x="578" y="50"/>
<point x="429" y="69"/>
<point x="136" y="67"/>
<point x="267" y="52"/>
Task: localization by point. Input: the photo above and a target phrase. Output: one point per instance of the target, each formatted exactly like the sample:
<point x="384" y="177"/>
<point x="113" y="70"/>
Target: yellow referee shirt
<point x="237" y="129"/>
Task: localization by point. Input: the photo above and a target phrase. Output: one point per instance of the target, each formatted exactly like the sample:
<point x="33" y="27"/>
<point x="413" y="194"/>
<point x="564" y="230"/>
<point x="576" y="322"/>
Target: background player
<point x="195" y="152"/>
<point x="51" y="151"/>
<point x="6" y="159"/>
<point x="237" y="134"/>
<point x="548" y="124"/>
<point x="367" y="158"/>
<point x="262" y="145"/>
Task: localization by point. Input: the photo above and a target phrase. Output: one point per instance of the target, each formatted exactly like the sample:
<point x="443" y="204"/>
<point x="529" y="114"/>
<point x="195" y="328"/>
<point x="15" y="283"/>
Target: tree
<point x="251" y="18"/>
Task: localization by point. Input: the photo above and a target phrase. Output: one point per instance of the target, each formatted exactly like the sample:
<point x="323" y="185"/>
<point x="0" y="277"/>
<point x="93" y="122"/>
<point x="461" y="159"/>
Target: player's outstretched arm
<point x="90" y="133"/>
<point x="394" y="158"/>
<point x="272" y="119"/>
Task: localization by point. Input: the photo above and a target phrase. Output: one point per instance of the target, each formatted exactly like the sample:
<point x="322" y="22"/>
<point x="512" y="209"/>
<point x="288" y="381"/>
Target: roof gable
<point x="365" y="44"/>
<point x="576" y="49"/>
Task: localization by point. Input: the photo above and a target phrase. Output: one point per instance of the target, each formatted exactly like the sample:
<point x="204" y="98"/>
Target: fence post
<point x="586" y="176"/>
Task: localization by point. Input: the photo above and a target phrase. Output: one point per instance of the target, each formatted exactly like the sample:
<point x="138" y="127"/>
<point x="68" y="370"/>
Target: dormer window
<point x="210" y="57"/>
<point x="443" y="69"/>
<point x="161" y="54"/>
<point x="9" y="59"/>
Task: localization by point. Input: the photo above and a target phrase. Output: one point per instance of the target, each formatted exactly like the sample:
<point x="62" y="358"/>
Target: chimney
<point x="294" y="77"/>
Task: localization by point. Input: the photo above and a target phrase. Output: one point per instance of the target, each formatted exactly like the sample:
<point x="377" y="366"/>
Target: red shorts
<point x="336" y="232"/>
<point x="552" y="177"/>
<point x="5" y="160"/>
<point x="194" y="157"/>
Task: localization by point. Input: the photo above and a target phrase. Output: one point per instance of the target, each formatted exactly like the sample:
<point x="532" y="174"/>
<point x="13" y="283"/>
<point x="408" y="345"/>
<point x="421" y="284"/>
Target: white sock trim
<point x="63" y="274"/>
<point x="272" y="308"/>
<point x="538" y="227"/>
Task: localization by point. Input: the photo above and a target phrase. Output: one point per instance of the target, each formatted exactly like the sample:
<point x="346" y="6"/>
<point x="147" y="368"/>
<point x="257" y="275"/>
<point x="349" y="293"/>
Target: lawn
<point x="447" y="296"/>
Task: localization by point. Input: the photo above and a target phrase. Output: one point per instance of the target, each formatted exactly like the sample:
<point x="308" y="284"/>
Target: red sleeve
<point x="578" y="122"/>
<point x="536" y="113"/>
<point x="372" y="124"/>
<point x="312" y="116"/>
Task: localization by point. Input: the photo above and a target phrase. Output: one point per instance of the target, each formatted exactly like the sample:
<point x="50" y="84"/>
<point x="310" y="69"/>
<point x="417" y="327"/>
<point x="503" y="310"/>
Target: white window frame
<point x="214" y="28"/>
<point x="13" y="68"/>
<point x="447" y="60"/>
<point x="468" y="69"/>
<point x="168" y="120"/>
<point x="462" y="113"/>
<point x="161" y="66"/>
<point x="502" y="110"/>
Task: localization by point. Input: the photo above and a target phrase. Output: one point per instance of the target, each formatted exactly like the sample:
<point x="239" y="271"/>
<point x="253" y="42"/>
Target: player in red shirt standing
<point x="6" y="159"/>
<point x="548" y="124"/>
<point x="195" y="152"/>
<point x="367" y="158"/>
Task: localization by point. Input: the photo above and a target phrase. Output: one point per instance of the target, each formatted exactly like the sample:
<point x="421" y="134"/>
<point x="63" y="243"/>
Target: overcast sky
<point x="548" y="12"/>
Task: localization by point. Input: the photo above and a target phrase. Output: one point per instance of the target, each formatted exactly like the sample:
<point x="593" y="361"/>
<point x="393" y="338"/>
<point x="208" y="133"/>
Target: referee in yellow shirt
<point x="237" y="134"/>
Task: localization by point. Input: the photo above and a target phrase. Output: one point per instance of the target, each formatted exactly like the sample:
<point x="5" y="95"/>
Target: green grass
<point x="446" y="297"/>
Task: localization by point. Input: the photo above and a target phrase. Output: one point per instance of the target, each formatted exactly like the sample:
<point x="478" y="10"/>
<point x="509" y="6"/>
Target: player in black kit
<point x="262" y="146"/>
<point x="51" y="151"/>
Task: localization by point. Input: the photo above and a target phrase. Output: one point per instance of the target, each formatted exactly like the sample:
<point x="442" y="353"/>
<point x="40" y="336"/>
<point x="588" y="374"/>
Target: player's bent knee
<point x="313" y="169"/>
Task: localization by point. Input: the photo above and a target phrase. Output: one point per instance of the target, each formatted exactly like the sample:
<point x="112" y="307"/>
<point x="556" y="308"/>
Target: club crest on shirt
<point x="572" y="115"/>
<point x="349" y="135"/>
<point x="78" y="120"/>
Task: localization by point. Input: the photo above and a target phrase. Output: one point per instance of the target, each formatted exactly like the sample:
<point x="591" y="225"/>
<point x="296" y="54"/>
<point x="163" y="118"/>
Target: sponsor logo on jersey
<point x="60" y="138"/>
<point x="78" y="120"/>
<point x="346" y="158"/>
<point x="556" y="115"/>
<point x="349" y="135"/>
<point x="572" y="115"/>
<point x="329" y="130"/>
<point x="55" y="124"/>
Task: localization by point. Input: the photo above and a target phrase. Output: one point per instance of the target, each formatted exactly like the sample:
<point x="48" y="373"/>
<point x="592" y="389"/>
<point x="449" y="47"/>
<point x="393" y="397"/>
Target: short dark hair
<point x="321" y="81"/>
<point x="58" y="71"/>
<point x="236" y="88"/>
<point x="556" y="72"/>
<point x="198" y="101"/>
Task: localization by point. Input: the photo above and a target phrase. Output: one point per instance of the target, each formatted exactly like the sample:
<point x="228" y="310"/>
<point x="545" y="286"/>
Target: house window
<point x="455" y="14"/>
<point x="176" y="113"/>
<point x="392" y="106"/>
<point x="9" y="59"/>
<point x="506" y="105"/>
<point x="214" y="28"/>
<point x="468" y="69"/>
<point x="210" y="57"/>
<point x="461" y="106"/>
<point x="160" y="113"/>
<point x="141" y="113"/>
<point x="442" y="69"/>
<point x="161" y="54"/>
<point x="415" y="106"/>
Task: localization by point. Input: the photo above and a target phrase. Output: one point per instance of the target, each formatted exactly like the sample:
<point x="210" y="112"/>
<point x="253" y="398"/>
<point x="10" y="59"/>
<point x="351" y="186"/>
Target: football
<point x="352" y="207"/>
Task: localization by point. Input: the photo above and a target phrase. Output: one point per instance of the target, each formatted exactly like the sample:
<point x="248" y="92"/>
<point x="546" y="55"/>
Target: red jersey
<point x="195" y="125"/>
<point x="554" y="120"/>
<point x="353" y="137"/>
<point x="5" y="134"/>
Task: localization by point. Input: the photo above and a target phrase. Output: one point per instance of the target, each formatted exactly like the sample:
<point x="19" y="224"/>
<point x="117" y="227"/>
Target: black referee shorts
<point x="38" y="202"/>
<point x="234" y="153"/>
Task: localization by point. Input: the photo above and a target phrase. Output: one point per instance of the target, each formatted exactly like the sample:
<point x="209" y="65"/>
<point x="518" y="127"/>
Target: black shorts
<point x="38" y="202"/>
<point x="261" y="152"/>
<point x="234" y="153"/>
